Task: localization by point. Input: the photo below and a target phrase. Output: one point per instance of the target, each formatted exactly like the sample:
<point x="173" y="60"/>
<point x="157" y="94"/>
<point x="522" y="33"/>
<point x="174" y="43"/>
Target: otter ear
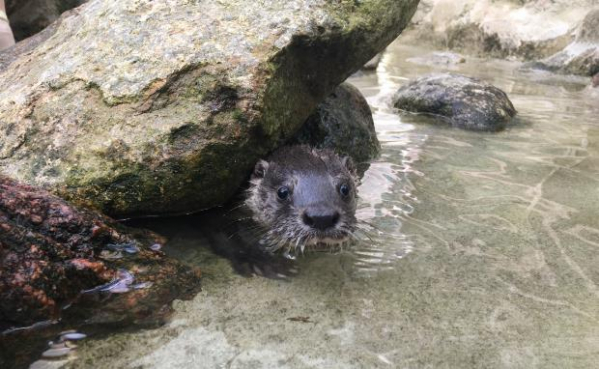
<point x="260" y="169"/>
<point x="348" y="163"/>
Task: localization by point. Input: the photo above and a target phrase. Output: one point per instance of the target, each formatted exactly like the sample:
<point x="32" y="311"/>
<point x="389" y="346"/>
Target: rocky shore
<point x="101" y="113"/>
<point x="134" y="108"/>
<point x="560" y="36"/>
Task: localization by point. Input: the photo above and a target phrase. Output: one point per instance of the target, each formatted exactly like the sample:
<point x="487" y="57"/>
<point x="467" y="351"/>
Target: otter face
<point x="303" y="197"/>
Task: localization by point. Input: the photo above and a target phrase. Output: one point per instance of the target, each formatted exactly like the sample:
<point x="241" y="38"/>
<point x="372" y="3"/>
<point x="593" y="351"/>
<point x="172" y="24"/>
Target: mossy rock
<point x="148" y="107"/>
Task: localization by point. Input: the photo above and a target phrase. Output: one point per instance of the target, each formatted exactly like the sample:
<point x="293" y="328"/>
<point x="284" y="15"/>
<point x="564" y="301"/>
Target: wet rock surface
<point x="530" y="30"/>
<point x="169" y="114"/>
<point x="343" y="122"/>
<point x="457" y="100"/>
<point x="63" y="265"/>
<point x="28" y="17"/>
<point x="581" y="56"/>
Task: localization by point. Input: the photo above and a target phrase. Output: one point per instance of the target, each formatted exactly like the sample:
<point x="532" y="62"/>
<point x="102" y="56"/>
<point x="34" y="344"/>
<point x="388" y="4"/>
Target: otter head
<point x="303" y="197"/>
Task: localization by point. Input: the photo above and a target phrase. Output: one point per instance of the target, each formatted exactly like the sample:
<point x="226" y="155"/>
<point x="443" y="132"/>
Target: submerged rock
<point x="146" y="107"/>
<point x="460" y="101"/>
<point x="51" y="268"/>
<point x="343" y="122"/>
<point x="581" y="56"/>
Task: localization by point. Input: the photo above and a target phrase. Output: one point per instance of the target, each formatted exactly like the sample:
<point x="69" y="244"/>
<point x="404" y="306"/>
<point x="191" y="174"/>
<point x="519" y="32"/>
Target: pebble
<point x="125" y="276"/>
<point x="131" y="249"/>
<point x="111" y="255"/>
<point x="120" y="289"/>
<point x="43" y="364"/>
<point x="57" y="345"/>
<point x="56" y="352"/>
<point x="73" y="336"/>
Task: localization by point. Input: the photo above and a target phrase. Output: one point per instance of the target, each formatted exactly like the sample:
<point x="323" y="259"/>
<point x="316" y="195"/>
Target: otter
<point x="303" y="198"/>
<point x="298" y="198"/>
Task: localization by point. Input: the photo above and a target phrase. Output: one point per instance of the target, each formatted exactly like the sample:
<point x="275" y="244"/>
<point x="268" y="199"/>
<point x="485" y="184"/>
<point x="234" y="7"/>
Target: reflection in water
<point x="386" y="192"/>
<point x="518" y="208"/>
<point x="517" y="202"/>
<point x="478" y="250"/>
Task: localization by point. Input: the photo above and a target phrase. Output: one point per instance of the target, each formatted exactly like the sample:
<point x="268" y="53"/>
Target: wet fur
<point x="314" y="177"/>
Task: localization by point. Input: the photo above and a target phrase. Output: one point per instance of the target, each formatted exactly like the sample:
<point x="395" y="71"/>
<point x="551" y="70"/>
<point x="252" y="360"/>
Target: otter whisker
<point x="241" y="219"/>
<point x="236" y="207"/>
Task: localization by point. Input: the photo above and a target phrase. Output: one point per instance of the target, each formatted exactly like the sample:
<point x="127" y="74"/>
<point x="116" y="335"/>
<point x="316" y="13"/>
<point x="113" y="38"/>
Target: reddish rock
<point x="51" y="252"/>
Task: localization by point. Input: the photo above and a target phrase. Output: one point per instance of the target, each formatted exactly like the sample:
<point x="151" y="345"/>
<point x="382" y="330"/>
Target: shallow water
<point x="485" y="252"/>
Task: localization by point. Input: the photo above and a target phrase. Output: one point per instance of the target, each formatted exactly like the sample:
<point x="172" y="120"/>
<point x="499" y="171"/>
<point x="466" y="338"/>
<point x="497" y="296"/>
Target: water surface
<point x="483" y="254"/>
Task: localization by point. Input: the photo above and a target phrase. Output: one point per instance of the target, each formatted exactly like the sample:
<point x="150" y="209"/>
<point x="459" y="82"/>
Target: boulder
<point x="343" y="122"/>
<point x="527" y="29"/>
<point x="50" y="251"/>
<point x="28" y="17"/>
<point x="581" y="56"/>
<point x="457" y="100"/>
<point x="63" y="264"/>
<point x="151" y="107"/>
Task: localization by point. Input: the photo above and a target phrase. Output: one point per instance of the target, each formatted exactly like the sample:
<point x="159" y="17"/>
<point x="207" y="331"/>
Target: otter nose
<point x="320" y="219"/>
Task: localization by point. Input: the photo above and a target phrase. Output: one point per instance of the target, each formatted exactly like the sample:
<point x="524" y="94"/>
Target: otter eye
<point x="344" y="190"/>
<point x="283" y="192"/>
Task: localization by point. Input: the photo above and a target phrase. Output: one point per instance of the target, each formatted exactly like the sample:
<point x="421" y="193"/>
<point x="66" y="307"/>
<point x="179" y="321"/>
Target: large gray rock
<point x="526" y="29"/>
<point x="460" y="101"/>
<point x="28" y="17"/>
<point x="582" y="55"/>
<point x="140" y="106"/>
<point x="343" y="122"/>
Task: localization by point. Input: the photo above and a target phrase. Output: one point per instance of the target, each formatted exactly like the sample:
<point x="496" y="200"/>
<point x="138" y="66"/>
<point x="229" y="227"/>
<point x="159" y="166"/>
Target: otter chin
<point x="303" y="198"/>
